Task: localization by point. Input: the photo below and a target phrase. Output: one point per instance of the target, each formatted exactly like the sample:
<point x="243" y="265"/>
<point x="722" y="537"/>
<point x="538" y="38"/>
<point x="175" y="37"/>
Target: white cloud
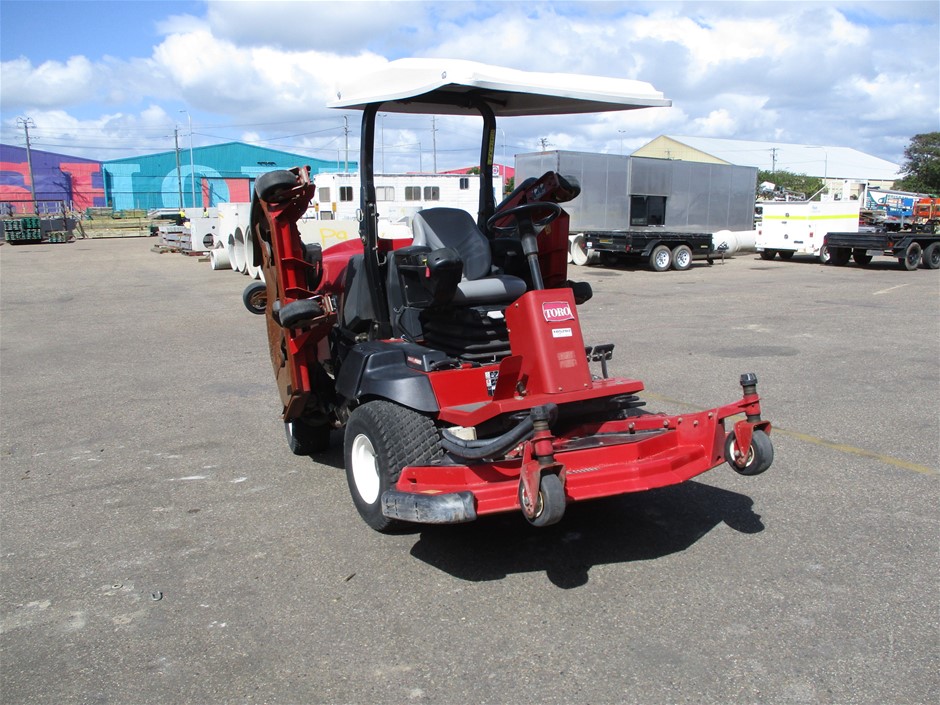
<point x="51" y="83"/>
<point x="859" y="75"/>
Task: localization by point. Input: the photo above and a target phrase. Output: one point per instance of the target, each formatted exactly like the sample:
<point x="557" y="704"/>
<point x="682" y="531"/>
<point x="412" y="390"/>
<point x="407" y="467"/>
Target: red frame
<point x="596" y="459"/>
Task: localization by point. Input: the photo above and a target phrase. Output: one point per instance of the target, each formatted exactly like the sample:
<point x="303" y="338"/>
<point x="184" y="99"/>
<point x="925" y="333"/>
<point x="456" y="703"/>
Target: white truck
<point x="800" y="227"/>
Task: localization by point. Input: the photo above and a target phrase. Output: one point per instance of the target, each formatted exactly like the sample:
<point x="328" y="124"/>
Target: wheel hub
<point x="365" y="469"/>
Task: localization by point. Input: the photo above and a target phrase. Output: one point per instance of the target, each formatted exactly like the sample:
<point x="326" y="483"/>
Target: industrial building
<point x="57" y="179"/>
<point x="201" y="177"/>
<point x="221" y="173"/>
<point x="834" y="165"/>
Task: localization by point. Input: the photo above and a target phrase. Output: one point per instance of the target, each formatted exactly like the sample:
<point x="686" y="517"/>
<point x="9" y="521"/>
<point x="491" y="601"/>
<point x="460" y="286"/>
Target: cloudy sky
<point x="112" y="79"/>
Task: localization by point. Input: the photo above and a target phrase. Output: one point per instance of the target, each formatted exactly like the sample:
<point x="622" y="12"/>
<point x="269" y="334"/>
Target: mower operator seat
<point x="455" y="228"/>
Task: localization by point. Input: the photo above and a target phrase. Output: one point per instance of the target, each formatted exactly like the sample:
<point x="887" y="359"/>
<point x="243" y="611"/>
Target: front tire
<point x="381" y="439"/>
<point x="839" y="256"/>
<point x="660" y="258"/>
<point x="911" y="259"/>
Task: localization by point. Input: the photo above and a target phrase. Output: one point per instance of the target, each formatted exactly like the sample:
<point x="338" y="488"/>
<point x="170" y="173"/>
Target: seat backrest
<point x="454" y="228"/>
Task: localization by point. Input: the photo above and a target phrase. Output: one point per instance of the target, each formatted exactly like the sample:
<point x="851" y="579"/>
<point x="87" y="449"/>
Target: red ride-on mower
<point x="455" y="360"/>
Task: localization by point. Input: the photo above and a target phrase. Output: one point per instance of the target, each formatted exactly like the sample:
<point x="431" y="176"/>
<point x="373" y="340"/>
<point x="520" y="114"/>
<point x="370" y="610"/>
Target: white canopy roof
<point x="414" y="85"/>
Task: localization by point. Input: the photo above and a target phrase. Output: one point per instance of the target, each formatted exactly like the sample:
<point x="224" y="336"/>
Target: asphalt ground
<point x="160" y="544"/>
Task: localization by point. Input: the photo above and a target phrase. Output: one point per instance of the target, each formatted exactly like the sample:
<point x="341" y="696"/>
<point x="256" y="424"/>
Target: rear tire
<point x="682" y="258"/>
<point x="861" y="257"/>
<point x="381" y="439"/>
<point x="660" y="258"/>
<point x="768" y="254"/>
<point x="306" y="439"/>
<point x="931" y="256"/>
<point x="786" y="255"/>
<point x="824" y="255"/>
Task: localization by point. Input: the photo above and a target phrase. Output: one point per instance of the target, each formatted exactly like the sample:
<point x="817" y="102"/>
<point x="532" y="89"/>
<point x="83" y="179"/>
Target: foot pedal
<point x="600" y="353"/>
<point x="582" y="291"/>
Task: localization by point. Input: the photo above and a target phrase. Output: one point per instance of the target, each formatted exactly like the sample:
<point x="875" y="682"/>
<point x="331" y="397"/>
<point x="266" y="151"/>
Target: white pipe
<point x="728" y="242"/>
<point x="238" y="248"/>
<point x="251" y="266"/>
<point x="218" y="258"/>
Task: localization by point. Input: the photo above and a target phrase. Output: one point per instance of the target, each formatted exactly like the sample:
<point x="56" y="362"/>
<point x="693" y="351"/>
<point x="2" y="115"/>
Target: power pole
<point x="179" y="171"/>
<point x="434" y="139"/>
<point x="27" y="122"/>
<point x="346" y="131"/>
<point x="773" y="160"/>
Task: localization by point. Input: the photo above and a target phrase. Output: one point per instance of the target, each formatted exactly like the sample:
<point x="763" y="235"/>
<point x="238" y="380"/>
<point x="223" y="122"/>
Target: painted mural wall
<point x="203" y="178"/>
<point x="59" y="178"/>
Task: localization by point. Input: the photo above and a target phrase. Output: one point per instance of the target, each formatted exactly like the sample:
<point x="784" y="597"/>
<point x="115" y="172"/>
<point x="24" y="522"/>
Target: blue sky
<point x="112" y="79"/>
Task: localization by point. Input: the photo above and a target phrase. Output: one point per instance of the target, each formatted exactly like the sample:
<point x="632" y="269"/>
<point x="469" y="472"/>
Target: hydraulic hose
<point x="489" y="447"/>
<point x="500" y="445"/>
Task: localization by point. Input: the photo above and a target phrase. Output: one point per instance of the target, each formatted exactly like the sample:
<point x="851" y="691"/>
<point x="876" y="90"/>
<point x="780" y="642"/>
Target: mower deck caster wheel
<point x="759" y="457"/>
<point x="255" y="297"/>
<point x="273" y="185"/>
<point x="296" y="313"/>
<point x="550" y="505"/>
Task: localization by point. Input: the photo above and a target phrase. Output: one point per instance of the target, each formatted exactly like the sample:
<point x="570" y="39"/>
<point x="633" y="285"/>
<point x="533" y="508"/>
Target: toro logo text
<point x="557" y="311"/>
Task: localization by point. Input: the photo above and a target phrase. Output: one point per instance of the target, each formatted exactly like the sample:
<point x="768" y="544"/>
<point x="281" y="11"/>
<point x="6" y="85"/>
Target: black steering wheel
<point x="515" y="213"/>
<point x="526" y="227"/>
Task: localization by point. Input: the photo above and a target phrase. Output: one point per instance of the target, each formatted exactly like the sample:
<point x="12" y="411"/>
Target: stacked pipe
<point x="233" y="246"/>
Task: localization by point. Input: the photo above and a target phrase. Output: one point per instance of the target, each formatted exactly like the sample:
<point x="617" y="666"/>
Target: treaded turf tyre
<point x="381" y="439"/>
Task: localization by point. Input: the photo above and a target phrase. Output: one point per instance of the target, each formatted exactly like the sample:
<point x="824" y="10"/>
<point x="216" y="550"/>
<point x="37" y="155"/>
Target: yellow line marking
<point x="815" y="440"/>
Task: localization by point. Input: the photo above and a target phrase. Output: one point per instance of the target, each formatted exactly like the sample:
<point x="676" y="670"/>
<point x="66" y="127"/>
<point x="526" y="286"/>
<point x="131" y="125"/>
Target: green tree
<point x="921" y="167"/>
<point x="799" y="183"/>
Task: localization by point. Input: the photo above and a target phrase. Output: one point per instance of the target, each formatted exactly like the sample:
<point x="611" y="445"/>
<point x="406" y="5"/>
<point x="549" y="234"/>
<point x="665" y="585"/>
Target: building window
<point x="412" y="193"/>
<point x="345" y="193"/>
<point x="432" y="193"/>
<point x="647" y="210"/>
<point x="325" y="195"/>
<point x="385" y="193"/>
<point x="464" y="183"/>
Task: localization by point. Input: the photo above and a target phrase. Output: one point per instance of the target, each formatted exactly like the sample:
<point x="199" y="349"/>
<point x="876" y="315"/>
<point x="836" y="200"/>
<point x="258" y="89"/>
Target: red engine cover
<point x="544" y="330"/>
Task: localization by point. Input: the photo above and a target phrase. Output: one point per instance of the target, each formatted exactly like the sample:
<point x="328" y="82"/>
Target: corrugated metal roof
<point x="824" y="161"/>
